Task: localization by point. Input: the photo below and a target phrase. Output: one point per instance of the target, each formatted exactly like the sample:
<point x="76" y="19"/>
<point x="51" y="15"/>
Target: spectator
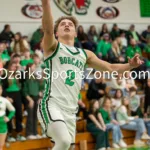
<point x="103" y="47"/>
<point x="4" y="53"/>
<point x="111" y="123"/>
<point x="38" y="64"/>
<point x="95" y="125"/>
<point x="133" y="49"/>
<point x="104" y="30"/>
<point x="134" y="103"/>
<point x="96" y="88"/>
<point x="19" y="45"/>
<point x="130" y="82"/>
<point x="82" y="106"/>
<point x="32" y="91"/>
<point x="27" y="59"/>
<point x="124" y="41"/>
<point x="83" y="38"/>
<point x="132" y="34"/>
<point x="114" y="54"/>
<point x="14" y="58"/>
<point x="4" y="104"/>
<point x="115" y="32"/>
<point x="116" y="101"/>
<point x="147" y="50"/>
<point x="6" y="35"/>
<point x="118" y="83"/>
<point x="13" y="90"/>
<point x="145" y="35"/>
<point x="92" y="35"/>
<point x="132" y="123"/>
<point x="147" y="101"/>
<point x="136" y="109"/>
<point x="37" y="38"/>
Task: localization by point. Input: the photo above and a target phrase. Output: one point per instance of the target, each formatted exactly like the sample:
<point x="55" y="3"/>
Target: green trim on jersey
<point x="54" y="54"/>
<point x="85" y="53"/>
<point x="46" y="96"/>
<point x="73" y="52"/>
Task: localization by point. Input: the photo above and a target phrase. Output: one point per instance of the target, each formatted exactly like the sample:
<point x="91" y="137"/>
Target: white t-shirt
<point x="5" y="104"/>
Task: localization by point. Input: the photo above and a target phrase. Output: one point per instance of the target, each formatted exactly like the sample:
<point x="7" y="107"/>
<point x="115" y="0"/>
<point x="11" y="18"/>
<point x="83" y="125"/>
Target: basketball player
<point x="57" y="110"/>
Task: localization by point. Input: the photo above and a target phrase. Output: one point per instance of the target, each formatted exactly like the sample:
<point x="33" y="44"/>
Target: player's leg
<point x="59" y="133"/>
<point x="71" y="148"/>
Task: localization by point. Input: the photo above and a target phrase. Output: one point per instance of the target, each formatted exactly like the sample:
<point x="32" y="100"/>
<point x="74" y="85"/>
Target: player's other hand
<point x="135" y="61"/>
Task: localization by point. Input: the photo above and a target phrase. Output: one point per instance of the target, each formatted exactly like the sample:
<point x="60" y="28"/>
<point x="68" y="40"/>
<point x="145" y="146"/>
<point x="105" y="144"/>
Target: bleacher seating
<point x="84" y="139"/>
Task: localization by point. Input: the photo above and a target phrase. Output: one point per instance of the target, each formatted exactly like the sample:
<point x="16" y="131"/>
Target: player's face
<point x="66" y="28"/>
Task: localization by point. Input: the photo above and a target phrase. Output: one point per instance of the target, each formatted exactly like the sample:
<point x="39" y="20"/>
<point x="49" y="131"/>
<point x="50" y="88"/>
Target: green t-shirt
<point x="5" y="56"/>
<point x="147" y="48"/>
<point x="14" y="87"/>
<point x="25" y="62"/>
<point x="135" y="36"/>
<point x="105" y="115"/>
<point x="103" y="47"/>
<point x="131" y="51"/>
<point x="31" y="87"/>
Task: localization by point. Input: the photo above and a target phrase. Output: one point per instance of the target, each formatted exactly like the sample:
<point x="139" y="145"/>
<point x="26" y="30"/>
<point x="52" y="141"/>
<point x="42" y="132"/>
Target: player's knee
<point x="66" y="142"/>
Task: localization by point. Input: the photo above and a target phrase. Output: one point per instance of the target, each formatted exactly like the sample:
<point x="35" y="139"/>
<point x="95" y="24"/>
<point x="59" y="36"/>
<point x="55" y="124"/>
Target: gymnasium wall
<point x="128" y="10"/>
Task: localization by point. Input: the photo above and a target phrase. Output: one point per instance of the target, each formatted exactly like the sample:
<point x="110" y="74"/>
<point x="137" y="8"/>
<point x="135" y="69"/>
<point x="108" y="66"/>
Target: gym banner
<point x="86" y="11"/>
<point x="145" y="8"/>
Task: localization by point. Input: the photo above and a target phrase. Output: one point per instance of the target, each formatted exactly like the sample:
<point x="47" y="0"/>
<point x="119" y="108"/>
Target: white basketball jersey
<point x="65" y="68"/>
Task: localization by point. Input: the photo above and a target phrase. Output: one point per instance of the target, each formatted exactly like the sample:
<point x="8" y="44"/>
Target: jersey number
<point x="70" y="77"/>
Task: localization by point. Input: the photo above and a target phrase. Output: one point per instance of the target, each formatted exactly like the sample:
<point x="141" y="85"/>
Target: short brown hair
<point x="71" y="18"/>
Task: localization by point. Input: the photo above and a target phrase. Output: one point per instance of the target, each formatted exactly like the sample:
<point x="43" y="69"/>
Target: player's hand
<point x="6" y="119"/>
<point x="135" y="61"/>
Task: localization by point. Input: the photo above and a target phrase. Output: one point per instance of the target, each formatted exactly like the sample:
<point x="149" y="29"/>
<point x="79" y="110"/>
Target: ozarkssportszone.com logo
<point x="67" y="6"/>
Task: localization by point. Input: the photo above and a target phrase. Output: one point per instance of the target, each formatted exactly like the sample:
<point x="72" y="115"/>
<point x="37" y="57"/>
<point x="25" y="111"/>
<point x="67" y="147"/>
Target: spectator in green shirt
<point x="4" y="53"/>
<point x="27" y="59"/>
<point x="32" y="91"/>
<point x="111" y="124"/>
<point x="36" y="38"/>
<point x="133" y="34"/>
<point x="103" y="47"/>
<point x="147" y="50"/>
<point x="133" y="49"/>
<point x="96" y="126"/>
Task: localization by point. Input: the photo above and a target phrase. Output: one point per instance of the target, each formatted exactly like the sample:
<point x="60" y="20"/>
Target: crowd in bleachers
<point x="112" y="103"/>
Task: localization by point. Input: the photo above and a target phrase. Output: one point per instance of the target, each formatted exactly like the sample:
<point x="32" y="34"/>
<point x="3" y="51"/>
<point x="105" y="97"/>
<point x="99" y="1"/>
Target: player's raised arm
<point x="49" y="41"/>
<point x="94" y="62"/>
